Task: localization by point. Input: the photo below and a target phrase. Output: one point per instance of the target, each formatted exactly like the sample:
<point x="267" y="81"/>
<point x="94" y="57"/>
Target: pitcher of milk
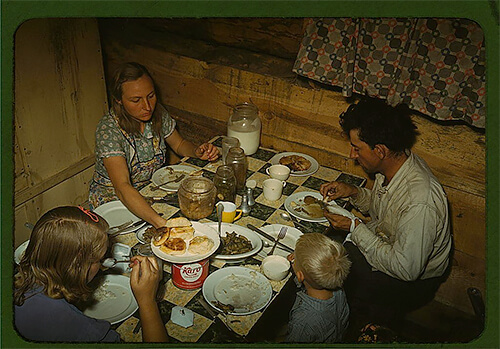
<point x="245" y="125"/>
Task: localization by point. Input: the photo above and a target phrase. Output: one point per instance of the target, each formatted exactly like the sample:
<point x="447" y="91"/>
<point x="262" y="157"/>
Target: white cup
<point x="275" y="267"/>
<point x="273" y="188"/>
<point x="280" y="172"/>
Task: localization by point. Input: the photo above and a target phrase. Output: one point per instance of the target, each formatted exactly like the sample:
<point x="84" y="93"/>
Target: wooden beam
<point x="33" y="191"/>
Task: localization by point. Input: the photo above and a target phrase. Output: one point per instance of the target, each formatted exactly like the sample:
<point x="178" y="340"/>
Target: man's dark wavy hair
<point x="380" y="123"/>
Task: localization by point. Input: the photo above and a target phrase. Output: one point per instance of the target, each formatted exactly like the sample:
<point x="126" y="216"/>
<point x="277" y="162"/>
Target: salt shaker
<point x="250" y="187"/>
<point x="244" y="206"/>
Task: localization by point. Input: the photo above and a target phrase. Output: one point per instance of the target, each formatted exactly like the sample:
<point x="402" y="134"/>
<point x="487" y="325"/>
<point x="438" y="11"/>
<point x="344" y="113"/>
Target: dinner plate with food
<point x="237" y="243"/>
<point x="290" y="239"/>
<point x="299" y="164"/>
<point x="237" y="290"/>
<point x="115" y="213"/>
<point x="169" y="178"/>
<point x="184" y="241"/>
<point x="113" y="299"/>
<point x="306" y="205"/>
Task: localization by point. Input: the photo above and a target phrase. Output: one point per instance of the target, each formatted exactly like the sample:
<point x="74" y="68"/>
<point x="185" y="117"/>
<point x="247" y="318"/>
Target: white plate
<point x="314" y="164"/>
<point x="163" y="175"/>
<point x="249" y="234"/>
<point x="18" y="253"/>
<point x="299" y="199"/>
<point x="140" y="234"/>
<point x="116" y="213"/>
<point x="247" y="290"/>
<point x="187" y="257"/>
<point x="118" y="306"/>
<point x="292" y="234"/>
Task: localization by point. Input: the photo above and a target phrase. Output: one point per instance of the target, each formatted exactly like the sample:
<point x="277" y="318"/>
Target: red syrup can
<point x="190" y="276"/>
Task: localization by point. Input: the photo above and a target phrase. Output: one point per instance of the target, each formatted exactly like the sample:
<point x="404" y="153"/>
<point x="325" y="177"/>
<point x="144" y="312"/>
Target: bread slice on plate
<point x="178" y="222"/>
<point x="185" y="233"/>
<point x="174" y="246"/>
<point x="200" y="245"/>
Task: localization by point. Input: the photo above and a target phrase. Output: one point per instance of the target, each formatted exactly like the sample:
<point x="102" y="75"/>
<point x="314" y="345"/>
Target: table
<point x="224" y="329"/>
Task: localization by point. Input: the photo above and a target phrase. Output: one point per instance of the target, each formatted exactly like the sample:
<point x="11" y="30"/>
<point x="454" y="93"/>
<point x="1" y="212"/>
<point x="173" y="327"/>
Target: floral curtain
<point x="435" y="65"/>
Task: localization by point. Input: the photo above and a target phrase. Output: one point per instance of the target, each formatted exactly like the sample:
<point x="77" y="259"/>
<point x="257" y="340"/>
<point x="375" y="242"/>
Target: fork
<point x="176" y="180"/>
<point x="280" y="236"/>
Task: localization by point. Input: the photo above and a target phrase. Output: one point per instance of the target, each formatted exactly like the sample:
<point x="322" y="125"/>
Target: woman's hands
<point x="144" y="279"/>
<point x="335" y="190"/>
<point x="207" y="151"/>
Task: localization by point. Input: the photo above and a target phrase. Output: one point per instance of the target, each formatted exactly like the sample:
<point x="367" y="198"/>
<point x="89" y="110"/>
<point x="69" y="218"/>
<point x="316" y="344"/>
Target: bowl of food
<point x="237" y="243"/>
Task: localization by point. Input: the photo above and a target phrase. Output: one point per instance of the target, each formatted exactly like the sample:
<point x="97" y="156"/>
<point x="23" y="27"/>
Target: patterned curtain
<point x="435" y="65"/>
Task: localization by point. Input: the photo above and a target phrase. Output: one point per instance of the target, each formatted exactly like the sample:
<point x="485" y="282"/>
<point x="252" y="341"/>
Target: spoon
<point x="112" y="262"/>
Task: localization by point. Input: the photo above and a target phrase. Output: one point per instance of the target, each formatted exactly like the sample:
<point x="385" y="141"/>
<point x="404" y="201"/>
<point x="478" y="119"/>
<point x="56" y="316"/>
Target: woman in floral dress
<point x="132" y="142"/>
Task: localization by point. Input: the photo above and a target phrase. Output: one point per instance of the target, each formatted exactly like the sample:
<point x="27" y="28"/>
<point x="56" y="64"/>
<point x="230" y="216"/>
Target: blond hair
<point x="63" y="245"/>
<point x="323" y="261"/>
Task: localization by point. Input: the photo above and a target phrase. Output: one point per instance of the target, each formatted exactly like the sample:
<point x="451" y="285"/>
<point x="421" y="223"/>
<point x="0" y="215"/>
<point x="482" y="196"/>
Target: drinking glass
<point x="228" y="143"/>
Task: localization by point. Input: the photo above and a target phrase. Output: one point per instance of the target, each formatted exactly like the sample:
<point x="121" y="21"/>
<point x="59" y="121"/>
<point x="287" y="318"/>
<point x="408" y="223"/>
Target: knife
<point x="132" y="226"/>
<point x="213" y="313"/>
<point x="266" y="235"/>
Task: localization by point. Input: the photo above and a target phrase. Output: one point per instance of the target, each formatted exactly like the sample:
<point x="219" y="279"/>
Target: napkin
<point x="333" y="207"/>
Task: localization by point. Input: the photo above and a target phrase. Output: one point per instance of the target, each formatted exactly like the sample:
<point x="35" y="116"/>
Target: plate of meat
<point x="299" y="164"/>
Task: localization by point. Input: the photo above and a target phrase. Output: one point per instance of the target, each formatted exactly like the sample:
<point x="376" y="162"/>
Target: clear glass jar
<point x="237" y="159"/>
<point x="197" y="197"/>
<point x="225" y="182"/>
<point x="245" y="125"/>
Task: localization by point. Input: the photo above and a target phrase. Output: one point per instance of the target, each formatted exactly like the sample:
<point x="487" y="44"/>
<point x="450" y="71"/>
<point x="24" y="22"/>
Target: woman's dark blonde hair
<point x="63" y="245"/>
<point x="323" y="261"/>
<point x="130" y="71"/>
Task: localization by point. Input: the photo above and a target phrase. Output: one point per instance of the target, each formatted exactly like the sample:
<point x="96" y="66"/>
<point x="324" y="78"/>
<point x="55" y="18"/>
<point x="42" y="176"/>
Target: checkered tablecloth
<point x="229" y="328"/>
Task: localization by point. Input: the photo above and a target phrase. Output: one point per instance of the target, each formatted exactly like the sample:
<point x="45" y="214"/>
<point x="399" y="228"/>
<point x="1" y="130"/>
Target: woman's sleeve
<point x="167" y="123"/>
<point x="108" y="140"/>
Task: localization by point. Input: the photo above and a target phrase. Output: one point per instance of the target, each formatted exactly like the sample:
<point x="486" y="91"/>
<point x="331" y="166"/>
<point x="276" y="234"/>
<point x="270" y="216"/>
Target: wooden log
<point x="296" y="114"/>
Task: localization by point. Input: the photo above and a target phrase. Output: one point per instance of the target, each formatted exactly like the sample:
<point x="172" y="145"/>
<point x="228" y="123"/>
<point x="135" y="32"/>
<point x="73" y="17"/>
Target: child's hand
<point x="291" y="257"/>
<point x="144" y="278"/>
<point x="207" y="151"/>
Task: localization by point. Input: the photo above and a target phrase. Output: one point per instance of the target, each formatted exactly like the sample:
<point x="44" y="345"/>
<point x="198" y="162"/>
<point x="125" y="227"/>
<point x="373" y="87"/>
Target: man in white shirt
<point x="399" y="256"/>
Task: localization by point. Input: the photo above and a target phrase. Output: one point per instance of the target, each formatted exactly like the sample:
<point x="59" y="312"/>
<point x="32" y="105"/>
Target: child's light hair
<point x="323" y="261"/>
<point x="63" y="245"/>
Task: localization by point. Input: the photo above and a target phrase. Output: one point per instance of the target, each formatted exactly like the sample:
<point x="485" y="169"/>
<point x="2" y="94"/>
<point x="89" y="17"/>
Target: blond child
<point x="64" y="254"/>
<point x="320" y="312"/>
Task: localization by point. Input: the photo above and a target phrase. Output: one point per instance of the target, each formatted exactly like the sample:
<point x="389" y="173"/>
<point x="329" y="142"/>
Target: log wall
<point x="59" y="98"/>
<point x="204" y="67"/>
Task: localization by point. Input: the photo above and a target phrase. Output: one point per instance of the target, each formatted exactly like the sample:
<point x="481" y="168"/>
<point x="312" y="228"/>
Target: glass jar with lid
<point x="225" y="182"/>
<point x="237" y="159"/>
<point x="197" y="197"/>
<point x="245" y="125"/>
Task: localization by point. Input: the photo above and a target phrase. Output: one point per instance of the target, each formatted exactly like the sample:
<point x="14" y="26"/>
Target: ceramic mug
<point x="273" y="188"/>
<point x="280" y="172"/>
<point x="229" y="212"/>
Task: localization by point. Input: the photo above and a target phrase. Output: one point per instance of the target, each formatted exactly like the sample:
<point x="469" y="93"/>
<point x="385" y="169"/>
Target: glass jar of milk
<point x="245" y="125"/>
